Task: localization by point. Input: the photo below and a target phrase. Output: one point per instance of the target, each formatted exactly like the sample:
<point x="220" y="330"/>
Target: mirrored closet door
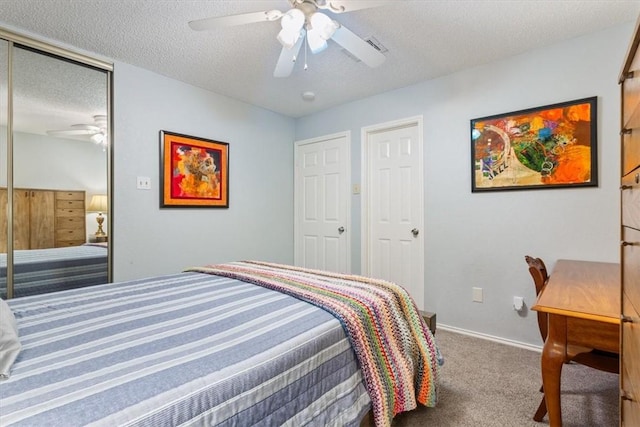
<point x="5" y="258"/>
<point x="55" y="151"/>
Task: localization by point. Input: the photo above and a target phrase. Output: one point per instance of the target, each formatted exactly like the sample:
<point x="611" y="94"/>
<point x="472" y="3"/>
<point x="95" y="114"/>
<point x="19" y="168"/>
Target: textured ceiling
<point x="65" y="95"/>
<point x="425" y="40"/>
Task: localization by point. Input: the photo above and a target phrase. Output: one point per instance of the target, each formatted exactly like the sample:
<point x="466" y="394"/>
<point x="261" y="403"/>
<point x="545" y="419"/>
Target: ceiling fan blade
<point x="86" y="127"/>
<point x="342" y="6"/>
<point x="71" y="132"/>
<point x="358" y="47"/>
<point x="287" y="59"/>
<point x="233" y="20"/>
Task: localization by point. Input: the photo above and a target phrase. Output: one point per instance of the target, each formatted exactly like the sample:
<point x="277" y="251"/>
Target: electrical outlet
<point x="477" y="294"/>
<point x="518" y="303"/>
<point x="144" y="183"/>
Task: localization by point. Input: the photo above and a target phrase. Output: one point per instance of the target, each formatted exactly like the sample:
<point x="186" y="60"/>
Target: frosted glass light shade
<point x="323" y="25"/>
<point x="288" y="38"/>
<point x="315" y="41"/>
<point x="293" y="20"/>
<point x="291" y="23"/>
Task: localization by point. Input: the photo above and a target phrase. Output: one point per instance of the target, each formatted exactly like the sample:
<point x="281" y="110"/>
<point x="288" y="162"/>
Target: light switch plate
<point x="143" y="183"/>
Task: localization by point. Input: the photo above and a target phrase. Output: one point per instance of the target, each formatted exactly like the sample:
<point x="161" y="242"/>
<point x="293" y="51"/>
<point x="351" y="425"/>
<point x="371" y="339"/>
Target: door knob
<point x="341" y="230"/>
<point x="415" y="232"/>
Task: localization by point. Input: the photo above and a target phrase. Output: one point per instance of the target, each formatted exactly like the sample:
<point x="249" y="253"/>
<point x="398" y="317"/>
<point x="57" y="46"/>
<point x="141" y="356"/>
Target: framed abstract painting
<point x="554" y="146"/>
<point x="194" y="171"/>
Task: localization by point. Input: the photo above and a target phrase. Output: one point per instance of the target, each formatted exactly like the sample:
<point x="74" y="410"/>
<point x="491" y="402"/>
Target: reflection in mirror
<point x="59" y="164"/>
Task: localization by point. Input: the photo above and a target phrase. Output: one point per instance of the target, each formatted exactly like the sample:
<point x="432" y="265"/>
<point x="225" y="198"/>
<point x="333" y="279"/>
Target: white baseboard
<point x="490" y="338"/>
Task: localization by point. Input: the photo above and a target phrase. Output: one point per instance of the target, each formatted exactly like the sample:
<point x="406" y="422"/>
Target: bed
<point x="243" y="343"/>
<point x="39" y="271"/>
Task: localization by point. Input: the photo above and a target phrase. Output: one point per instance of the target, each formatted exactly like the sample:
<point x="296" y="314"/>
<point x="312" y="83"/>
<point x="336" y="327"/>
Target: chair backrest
<point x="538" y="272"/>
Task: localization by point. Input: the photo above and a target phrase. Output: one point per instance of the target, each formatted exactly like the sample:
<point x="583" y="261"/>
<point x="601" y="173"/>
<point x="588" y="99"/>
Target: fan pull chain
<point x="306" y="48"/>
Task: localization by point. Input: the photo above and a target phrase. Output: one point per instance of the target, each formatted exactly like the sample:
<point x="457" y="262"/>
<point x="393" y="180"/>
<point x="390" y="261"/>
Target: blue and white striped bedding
<point x="183" y="349"/>
<point x="38" y="271"/>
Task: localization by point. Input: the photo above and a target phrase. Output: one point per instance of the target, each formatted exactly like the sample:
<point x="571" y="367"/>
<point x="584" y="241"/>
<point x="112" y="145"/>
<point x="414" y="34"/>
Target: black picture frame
<point x="552" y="146"/>
<point x="194" y="171"/>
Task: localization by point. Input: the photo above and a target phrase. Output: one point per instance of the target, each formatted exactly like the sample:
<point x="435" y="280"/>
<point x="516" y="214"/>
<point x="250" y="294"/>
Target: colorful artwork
<point x="194" y="171"/>
<point x="545" y="147"/>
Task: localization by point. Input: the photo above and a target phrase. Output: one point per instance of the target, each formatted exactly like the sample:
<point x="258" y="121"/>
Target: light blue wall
<point x="479" y="240"/>
<point x="259" y="222"/>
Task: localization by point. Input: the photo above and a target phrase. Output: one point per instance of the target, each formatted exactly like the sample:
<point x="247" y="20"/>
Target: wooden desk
<point x="582" y="300"/>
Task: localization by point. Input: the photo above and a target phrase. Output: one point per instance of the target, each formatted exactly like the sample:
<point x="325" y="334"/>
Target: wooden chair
<point x="597" y="359"/>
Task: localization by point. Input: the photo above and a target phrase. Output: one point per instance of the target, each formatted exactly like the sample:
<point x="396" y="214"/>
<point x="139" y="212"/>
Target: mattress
<point x="183" y="349"/>
<point x="40" y="271"/>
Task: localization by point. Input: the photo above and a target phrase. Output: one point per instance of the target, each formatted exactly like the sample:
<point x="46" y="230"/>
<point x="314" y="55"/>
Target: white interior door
<point x="322" y="203"/>
<point x="393" y="235"/>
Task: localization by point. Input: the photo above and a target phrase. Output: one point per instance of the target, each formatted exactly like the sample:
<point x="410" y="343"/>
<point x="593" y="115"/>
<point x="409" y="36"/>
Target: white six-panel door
<point x="392" y="205"/>
<point x="322" y="208"/>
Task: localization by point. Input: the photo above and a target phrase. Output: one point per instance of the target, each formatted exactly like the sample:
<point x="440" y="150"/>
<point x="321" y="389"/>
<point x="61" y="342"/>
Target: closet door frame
<point x="17" y="40"/>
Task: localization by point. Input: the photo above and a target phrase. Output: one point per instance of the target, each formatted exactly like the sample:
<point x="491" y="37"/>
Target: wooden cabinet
<point x="630" y="235"/>
<point x="21" y="233"/>
<point x="43" y="218"/>
<point x="33" y="215"/>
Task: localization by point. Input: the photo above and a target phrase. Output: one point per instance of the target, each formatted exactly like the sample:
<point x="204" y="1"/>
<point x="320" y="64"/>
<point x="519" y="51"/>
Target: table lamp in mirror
<point x="98" y="204"/>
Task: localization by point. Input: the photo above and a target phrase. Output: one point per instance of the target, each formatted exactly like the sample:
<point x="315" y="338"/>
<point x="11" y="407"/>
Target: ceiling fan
<point x="304" y="22"/>
<point x="96" y="132"/>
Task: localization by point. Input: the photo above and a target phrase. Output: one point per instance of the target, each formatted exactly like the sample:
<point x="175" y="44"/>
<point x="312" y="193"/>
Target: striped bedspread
<point x="38" y="271"/>
<point x="185" y="349"/>
<point x="395" y="349"/>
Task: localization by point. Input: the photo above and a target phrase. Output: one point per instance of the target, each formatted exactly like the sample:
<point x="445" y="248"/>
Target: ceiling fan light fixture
<point x="288" y="38"/>
<point x="293" y="20"/>
<point x="292" y="23"/>
<point x="98" y="138"/>
<point x="323" y="25"/>
<point x="316" y="42"/>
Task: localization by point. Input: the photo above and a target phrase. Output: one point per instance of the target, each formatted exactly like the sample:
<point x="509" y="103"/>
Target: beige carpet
<point x="483" y="383"/>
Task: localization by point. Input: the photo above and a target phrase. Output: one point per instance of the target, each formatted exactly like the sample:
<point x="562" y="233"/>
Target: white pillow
<point x="9" y="343"/>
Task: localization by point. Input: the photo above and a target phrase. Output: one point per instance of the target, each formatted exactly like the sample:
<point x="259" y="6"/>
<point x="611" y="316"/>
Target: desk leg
<point x="554" y="354"/>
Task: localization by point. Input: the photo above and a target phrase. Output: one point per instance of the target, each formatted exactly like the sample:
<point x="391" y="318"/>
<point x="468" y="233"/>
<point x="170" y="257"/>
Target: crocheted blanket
<point x="395" y="349"/>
